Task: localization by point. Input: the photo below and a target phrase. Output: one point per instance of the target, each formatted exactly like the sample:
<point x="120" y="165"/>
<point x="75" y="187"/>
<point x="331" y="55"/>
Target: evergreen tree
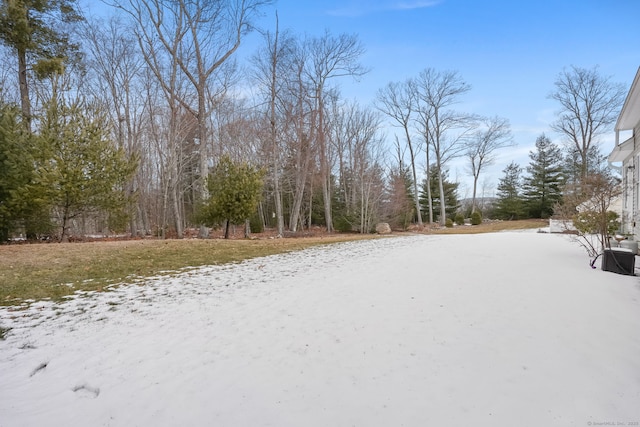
<point x="235" y="190"/>
<point x="83" y="172"/>
<point x="21" y="204"/>
<point x="33" y="29"/>
<point x="510" y="204"/>
<point x="542" y="186"/>
<point x="344" y="214"/>
<point x="450" y="193"/>
<point x="14" y="173"/>
<point x="401" y="204"/>
<point x="573" y="168"/>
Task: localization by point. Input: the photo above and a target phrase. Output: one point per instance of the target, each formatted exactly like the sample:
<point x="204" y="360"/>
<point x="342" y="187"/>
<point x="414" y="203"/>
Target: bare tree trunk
<point x="398" y="101"/>
<point x="473" y="197"/>
<point x="64" y="237"/>
<point x="302" y="159"/>
<point x="296" y="208"/>
<point x="416" y="193"/>
<point x="275" y="147"/>
<point x="300" y="184"/>
<point x="177" y="212"/>
<point x="443" y="199"/>
<point x="247" y="229"/>
<point x="325" y="168"/>
<point x="25" y="103"/>
<point x="144" y="220"/>
<point x="278" y="199"/>
<point x="428" y="181"/>
<point x="310" y="206"/>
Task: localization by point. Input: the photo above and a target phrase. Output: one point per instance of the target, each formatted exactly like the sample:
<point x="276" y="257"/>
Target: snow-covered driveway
<point x="497" y="329"/>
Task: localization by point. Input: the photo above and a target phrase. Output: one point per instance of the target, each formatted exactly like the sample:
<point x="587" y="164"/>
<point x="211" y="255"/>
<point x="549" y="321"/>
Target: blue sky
<point x="509" y="51"/>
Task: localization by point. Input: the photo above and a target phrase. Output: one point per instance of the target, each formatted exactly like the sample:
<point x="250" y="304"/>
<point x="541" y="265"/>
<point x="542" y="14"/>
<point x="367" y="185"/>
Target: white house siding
<point x="628" y="153"/>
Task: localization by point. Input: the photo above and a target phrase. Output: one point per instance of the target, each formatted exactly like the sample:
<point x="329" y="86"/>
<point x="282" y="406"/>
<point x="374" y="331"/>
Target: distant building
<point x="628" y="153"/>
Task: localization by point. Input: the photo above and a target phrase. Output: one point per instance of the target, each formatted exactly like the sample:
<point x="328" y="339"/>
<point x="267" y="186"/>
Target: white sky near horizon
<point x="510" y="52"/>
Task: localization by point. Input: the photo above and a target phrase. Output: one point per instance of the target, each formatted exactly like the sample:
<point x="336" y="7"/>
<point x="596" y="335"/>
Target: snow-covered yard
<point x="499" y="329"/>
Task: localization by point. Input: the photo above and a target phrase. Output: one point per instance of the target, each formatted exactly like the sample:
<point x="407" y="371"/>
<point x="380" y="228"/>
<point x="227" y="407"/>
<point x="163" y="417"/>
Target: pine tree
<point x="401" y="205"/>
<point x="450" y="192"/>
<point x="21" y="205"/>
<point x="33" y="30"/>
<point x="510" y="204"/>
<point x="14" y="174"/>
<point x="573" y="168"/>
<point x="235" y="190"/>
<point x="542" y="186"/>
<point x="83" y="171"/>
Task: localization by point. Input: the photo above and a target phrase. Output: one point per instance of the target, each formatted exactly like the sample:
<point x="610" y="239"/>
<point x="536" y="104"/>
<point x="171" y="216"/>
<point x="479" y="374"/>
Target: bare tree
<point x="354" y="134"/>
<point x="589" y="103"/>
<point x="423" y="123"/>
<point x="117" y="64"/>
<point x="298" y="132"/>
<point x="269" y="72"/>
<point x="588" y="204"/>
<point x="398" y="101"/>
<point x="199" y="36"/>
<point x="164" y="123"/>
<point x="494" y="134"/>
<point x="445" y="130"/>
<point x="330" y="57"/>
<point x="487" y="190"/>
<point x="164" y="132"/>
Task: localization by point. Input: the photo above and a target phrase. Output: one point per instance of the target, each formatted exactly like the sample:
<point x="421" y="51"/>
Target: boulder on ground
<point x="383" y="228"/>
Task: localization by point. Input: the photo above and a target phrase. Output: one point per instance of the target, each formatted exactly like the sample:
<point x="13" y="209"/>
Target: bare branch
<point x="493" y="134"/>
<point x="589" y="104"/>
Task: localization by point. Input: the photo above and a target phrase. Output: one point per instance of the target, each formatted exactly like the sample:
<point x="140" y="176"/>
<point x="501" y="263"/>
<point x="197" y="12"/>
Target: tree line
<point x="145" y="123"/>
<point x="558" y="179"/>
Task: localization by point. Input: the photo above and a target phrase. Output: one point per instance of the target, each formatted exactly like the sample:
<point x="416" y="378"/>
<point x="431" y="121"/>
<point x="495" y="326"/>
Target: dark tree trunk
<point x="25" y="103"/>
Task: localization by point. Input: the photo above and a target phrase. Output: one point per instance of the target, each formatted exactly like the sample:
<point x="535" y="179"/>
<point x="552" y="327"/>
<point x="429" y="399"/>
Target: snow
<point x="500" y="329"/>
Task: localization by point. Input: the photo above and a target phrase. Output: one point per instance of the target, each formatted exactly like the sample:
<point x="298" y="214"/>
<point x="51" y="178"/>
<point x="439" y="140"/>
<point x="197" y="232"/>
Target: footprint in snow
<point x="39" y="368"/>
<point x="85" y="390"/>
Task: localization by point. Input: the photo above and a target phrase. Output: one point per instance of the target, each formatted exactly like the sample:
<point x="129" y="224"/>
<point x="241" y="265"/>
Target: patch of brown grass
<point x="53" y="270"/>
<point x="494" y="226"/>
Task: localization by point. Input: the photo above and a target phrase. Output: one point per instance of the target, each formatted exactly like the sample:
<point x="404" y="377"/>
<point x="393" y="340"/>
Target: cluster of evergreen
<point x="66" y="170"/>
<point x="451" y="201"/>
<point x="535" y="191"/>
